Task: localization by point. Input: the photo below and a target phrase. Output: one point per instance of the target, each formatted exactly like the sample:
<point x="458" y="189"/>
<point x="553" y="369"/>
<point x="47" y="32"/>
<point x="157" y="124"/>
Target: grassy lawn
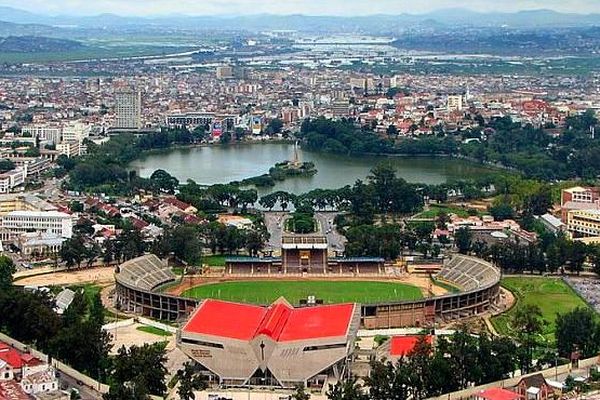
<point x="217" y="260"/>
<point x="435" y="210"/>
<point x="552" y="295"/>
<point x="265" y="292"/>
<point x="153" y="330"/>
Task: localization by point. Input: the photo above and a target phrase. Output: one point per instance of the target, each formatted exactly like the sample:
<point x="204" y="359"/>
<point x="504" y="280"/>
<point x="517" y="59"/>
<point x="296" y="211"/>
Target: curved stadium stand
<point x="137" y="281"/>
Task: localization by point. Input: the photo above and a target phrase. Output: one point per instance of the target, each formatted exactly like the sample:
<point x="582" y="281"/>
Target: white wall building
<point x="12" y="179"/>
<point x="47" y="132"/>
<point x="58" y="223"/>
<point x="69" y="148"/>
<point x="76" y="131"/>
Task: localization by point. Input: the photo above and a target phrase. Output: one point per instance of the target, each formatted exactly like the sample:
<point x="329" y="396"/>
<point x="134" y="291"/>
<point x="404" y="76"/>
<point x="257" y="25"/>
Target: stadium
<point x="302" y="307"/>
<point x="477" y="283"/>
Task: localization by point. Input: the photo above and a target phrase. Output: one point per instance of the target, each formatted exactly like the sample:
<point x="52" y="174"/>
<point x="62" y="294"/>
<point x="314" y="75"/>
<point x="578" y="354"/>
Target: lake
<point x="221" y="164"/>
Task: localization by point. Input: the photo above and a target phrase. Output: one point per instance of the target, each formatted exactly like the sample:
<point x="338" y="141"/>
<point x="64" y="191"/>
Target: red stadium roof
<point x="279" y="321"/>
<point x="402" y="345"/>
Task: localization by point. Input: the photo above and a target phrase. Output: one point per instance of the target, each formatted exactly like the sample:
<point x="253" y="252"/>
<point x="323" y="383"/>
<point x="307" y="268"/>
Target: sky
<point x="308" y="7"/>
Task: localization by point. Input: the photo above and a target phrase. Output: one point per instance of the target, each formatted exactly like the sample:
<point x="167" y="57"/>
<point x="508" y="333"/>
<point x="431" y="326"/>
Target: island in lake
<point x="283" y="170"/>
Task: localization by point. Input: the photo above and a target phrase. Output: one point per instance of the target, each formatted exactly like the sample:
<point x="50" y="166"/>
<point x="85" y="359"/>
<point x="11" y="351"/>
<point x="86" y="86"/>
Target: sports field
<point x="552" y="295"/>
<point x="265" y="292"/>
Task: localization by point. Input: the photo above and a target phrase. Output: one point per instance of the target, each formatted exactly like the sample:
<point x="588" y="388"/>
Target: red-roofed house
<point x="181" y="206"/>
<point x="400" y="346"/>
<point x="279" y="345"/>
<point x="498" y="394"/>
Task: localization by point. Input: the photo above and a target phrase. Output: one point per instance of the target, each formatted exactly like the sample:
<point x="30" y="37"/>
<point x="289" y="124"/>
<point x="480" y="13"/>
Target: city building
<point x="21" y="372"/>
<point x="23" y="202"/>
<point x="203" y="119"/>
<point x="12" y="179"/>
<point x="579" y="198"/>
<point x="279" y="345"/>
<point x="224" y="72"/>
<point x="128" y="105"/>
<point x="39" y="244"/>
<point x="76" y="131"/>
<point x="55" y="222"/>
<point x="455" y="103"/>
<point x="583" y="223"/>
<point x="340" y="108"/>
<point x="45" y="132"/>
<point x="70" y="148"/>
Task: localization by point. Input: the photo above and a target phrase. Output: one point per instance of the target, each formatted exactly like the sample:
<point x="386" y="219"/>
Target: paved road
<point x="275" y="222"/>
<point x="334" y="238"/>
<point x="85" y="392"/>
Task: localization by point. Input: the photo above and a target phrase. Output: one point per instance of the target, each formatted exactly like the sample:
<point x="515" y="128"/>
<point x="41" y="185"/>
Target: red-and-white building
<point x="278" y="345"/>
<point x="22" y="373"/>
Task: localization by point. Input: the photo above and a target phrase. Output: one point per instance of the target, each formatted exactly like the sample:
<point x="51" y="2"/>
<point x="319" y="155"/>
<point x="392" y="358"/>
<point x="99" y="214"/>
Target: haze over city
<point x="307" y="7"/>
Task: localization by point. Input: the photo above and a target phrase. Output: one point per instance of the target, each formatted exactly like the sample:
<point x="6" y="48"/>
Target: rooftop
<point x="403" y="345"/>
<point x="498" y="394"/>
<point x="280" y="321"/>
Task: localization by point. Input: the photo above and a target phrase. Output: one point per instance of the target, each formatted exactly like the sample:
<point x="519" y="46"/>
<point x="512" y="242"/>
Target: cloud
<point x="309" y="7"/>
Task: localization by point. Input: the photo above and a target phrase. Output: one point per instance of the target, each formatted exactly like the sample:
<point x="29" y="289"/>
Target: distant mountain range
<point x="371" y="23"/>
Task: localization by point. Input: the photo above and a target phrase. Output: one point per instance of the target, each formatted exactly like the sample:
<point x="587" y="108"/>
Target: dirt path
<point x="100" y="275"/>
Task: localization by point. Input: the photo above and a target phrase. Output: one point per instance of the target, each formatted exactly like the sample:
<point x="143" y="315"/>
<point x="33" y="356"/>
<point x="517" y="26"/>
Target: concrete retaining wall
<point x="156" y="324"/>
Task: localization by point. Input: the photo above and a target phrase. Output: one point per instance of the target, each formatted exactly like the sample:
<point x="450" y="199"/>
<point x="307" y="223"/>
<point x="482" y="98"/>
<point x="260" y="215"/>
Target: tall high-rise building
<point x="128" y="104"/>
<point x="224" y="72"/>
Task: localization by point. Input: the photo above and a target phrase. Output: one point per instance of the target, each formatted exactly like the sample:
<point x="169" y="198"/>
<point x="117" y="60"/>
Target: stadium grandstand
<point x="468" y="273"/>
<point x="136" y="284"/>
<point x="304" y="255"/>
<point x="478" y="284"/>
<point x="278" y="345"/>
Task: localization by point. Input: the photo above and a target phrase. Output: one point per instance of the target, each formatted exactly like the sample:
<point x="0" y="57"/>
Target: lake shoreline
<point x="209" y="164"/>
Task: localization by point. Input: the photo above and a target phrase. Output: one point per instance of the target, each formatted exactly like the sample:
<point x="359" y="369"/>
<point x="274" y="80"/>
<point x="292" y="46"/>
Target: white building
<point x="46" y="132"/>
<point x="76" y="131"/>
<point x="69" y="148"/>
<point x="58" y="223"/>
<point x="128" y="107"/>
<point x="12" y="179"/>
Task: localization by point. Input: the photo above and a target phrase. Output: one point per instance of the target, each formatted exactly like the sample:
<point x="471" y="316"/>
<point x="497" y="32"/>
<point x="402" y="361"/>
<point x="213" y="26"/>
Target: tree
<point x="163" y="181"/>
<point x="76" y="206"/>
<point x="528" y="324"/>
<point x="462" y="239"/>
<point x="6" y="165"/>
<point x="387" y="381"/>
<point x="348" y="389"/>
<point x="189" y="381"/>
<point x="502" y="211"/>
<point x="300" y="393"/>
<point x="73" y="251"/>
<point x="594" y="257"/>
<point x="579" y="329"/>
<point x="7" y="269"/>
<point x="274" y="126"/>
<point x="141" y="368"/>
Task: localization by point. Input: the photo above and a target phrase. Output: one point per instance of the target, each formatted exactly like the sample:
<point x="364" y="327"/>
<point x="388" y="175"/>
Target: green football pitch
<point x="265" y="292"/>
